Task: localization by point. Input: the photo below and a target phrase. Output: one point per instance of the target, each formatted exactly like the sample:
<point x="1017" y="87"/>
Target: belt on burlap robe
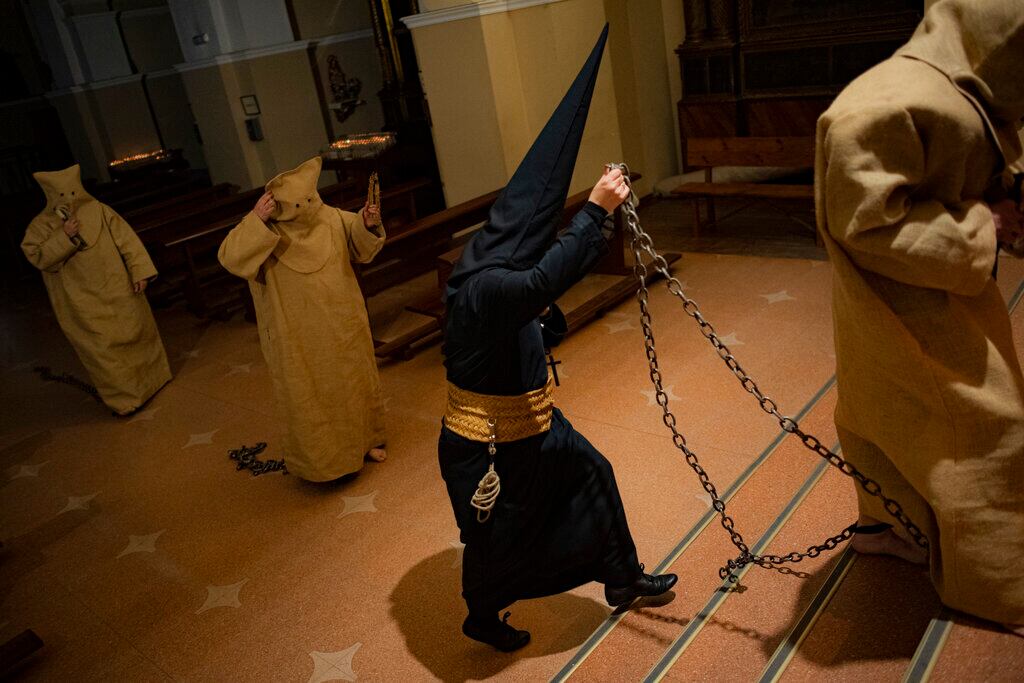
<point x="497" y="419"/>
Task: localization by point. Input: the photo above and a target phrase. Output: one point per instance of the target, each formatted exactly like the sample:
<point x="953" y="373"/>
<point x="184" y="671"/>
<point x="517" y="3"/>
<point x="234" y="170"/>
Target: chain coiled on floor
<point x="246" y="459"/>
<point x="642" y="244"/>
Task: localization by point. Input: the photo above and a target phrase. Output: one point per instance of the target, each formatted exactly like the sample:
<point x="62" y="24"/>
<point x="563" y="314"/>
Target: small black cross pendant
<point x="552" y="363"/>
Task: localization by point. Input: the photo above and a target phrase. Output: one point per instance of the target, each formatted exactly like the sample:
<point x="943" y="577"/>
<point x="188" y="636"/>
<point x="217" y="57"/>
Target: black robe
<point x="558" y="522"/>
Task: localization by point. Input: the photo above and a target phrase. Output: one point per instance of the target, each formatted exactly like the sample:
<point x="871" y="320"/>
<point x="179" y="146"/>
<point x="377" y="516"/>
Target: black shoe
<point x="645" y="586"/>
<point x="497" y="634"/>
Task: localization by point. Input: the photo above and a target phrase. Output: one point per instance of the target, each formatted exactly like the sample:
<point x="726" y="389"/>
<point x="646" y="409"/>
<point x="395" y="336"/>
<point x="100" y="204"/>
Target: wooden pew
<point x="210" y="291"/>
<point x="706" y="153"/>
<point x="127" y="198"/>
<point x="198" y="216"/>
<point x="143" y="216"/>
<point x="436" y="229"/>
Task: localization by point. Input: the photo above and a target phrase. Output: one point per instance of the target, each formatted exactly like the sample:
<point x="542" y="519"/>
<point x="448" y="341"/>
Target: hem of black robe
<point x="494" y="600"/>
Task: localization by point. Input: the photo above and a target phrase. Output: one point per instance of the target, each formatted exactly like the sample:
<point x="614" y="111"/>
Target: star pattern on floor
<point x="29" y="470"/>
<point x="776" y="297"/>
<point x="199" y="439"/>
<point x="78" y="503"/>
<point x="334" y="666"/>
<point x="141" y="544"/>
<point x="222" y="596"/>
<point x="354" y="504"/>
<point x="620" y="325"/>
<point x="652" y="395"/>
<point x="460" y="548"/>
<point x="730" y="340"/>
<point x="244" y="368"/>
<point x="144" y="415"/>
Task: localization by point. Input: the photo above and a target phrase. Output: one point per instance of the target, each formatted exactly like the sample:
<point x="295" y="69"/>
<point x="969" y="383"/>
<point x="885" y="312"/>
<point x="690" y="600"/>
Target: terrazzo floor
<point x="137" y="552"/>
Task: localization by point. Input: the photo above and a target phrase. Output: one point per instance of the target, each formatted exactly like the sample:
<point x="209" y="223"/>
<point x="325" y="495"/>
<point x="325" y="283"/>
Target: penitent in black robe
<point x="558" y="522"/>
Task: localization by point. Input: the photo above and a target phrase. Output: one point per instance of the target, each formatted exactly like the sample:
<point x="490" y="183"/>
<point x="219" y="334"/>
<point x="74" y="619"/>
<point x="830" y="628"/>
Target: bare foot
<point x="1015" y="629"/>
<point x="888" y="543"/>
<point x="377" y="454"/>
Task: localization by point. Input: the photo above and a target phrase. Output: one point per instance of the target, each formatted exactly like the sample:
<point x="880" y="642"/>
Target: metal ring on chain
<point x="641" y="244"/>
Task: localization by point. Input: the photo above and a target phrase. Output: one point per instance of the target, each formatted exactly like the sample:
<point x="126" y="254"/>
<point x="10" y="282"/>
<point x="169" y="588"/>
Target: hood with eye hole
<point x="66" y="195"/>
<point x="301" y="218"/>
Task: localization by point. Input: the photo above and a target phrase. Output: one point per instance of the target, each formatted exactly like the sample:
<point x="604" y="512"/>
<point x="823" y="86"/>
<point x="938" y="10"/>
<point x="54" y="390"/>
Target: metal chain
<point x="641" y="243"/>
<point x="246" y="459"/>
<point x="64" y="378"/>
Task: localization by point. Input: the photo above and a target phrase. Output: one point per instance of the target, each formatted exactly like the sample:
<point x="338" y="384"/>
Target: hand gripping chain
<point x="641" y="244"/>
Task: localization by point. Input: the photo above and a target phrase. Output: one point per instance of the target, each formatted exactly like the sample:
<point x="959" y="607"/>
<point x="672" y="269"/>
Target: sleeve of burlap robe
<point x="247" y="247"/>
<point x="880" y="212"/>
<point x="136" y="258"/>
<point x="46" y="247"/>
<point x="363" y="243"/>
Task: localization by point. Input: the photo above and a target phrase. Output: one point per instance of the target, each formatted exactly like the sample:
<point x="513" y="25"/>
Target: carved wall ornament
<point x="344" y="90"/>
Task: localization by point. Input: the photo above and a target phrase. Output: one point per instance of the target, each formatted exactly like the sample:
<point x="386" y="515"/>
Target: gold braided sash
<point x="515" y="417"/>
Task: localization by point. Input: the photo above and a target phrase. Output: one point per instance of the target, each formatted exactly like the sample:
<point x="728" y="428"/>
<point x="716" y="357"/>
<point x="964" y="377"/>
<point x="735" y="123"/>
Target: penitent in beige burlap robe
<point x="931" y="398"/>
<point x="312" y="323"/>
<point x="91" y="290"/>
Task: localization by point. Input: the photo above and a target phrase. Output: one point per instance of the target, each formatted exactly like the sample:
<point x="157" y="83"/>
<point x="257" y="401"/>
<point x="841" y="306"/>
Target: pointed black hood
<point x="524" y="220"/>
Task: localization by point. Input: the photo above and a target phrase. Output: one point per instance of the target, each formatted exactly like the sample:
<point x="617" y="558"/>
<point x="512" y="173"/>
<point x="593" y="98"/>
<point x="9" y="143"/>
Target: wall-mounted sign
<point x="250" y="105"/>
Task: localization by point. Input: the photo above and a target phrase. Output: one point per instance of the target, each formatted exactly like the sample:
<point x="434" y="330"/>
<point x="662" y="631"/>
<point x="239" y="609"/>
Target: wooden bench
<point x="195" y="219"/>
<point x="210" y="291"/>
<point x="707" y="153"/>
<point x="127" y="198"/>
<point x="143" y="216"/>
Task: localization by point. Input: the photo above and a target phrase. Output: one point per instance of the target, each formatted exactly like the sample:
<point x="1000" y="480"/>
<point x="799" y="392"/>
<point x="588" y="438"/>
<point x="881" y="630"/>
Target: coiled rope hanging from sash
<point x="493" y="420"/>
<point x="641" y="245"/>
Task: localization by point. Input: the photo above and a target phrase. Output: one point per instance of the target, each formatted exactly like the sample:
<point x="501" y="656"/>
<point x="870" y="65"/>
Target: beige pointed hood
<point x="979" y="46"/>
<point x="63" y="189"/>
<point x="305" y="242"/>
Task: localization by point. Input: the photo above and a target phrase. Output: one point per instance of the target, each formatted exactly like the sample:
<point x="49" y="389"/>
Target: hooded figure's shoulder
<point x="897" y="84"/>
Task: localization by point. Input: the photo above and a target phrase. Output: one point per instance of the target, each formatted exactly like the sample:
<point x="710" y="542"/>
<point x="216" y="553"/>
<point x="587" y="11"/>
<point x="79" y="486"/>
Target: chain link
<point x="247" y="460"/>
<point x="642" y="244"/>
<point x="47" y="375"/>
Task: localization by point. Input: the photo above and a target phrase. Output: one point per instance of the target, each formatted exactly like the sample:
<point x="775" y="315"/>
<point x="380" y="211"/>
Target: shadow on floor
<point x="878" y="613"/>
<point x="428" y="608"/>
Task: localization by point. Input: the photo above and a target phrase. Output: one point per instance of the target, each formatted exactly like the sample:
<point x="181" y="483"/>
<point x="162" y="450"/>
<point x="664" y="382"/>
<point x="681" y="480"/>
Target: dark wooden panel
<point x="751" y="151"/>
<point x="786" y="117"/>
<point x="708" y="119"/>
<point x="786" y="19"/>
<point x="759" y="190"/>
<point x="770" y="67"/>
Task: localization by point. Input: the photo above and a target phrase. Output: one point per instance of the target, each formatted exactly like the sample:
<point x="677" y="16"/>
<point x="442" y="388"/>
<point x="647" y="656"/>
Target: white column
<point x="101" y="45"/>
<point x="210" y="28"/>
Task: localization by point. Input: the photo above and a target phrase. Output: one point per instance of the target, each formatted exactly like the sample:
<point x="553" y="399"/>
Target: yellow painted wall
<point x="467" y="136"/>
<point x="492" y="81"/>
<point x="649" y="89"/>
<point x="218" y="117"/>
<point x="319" y="18"/>
<point x="293" y="127"/>
<point x="549" y="59"/>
